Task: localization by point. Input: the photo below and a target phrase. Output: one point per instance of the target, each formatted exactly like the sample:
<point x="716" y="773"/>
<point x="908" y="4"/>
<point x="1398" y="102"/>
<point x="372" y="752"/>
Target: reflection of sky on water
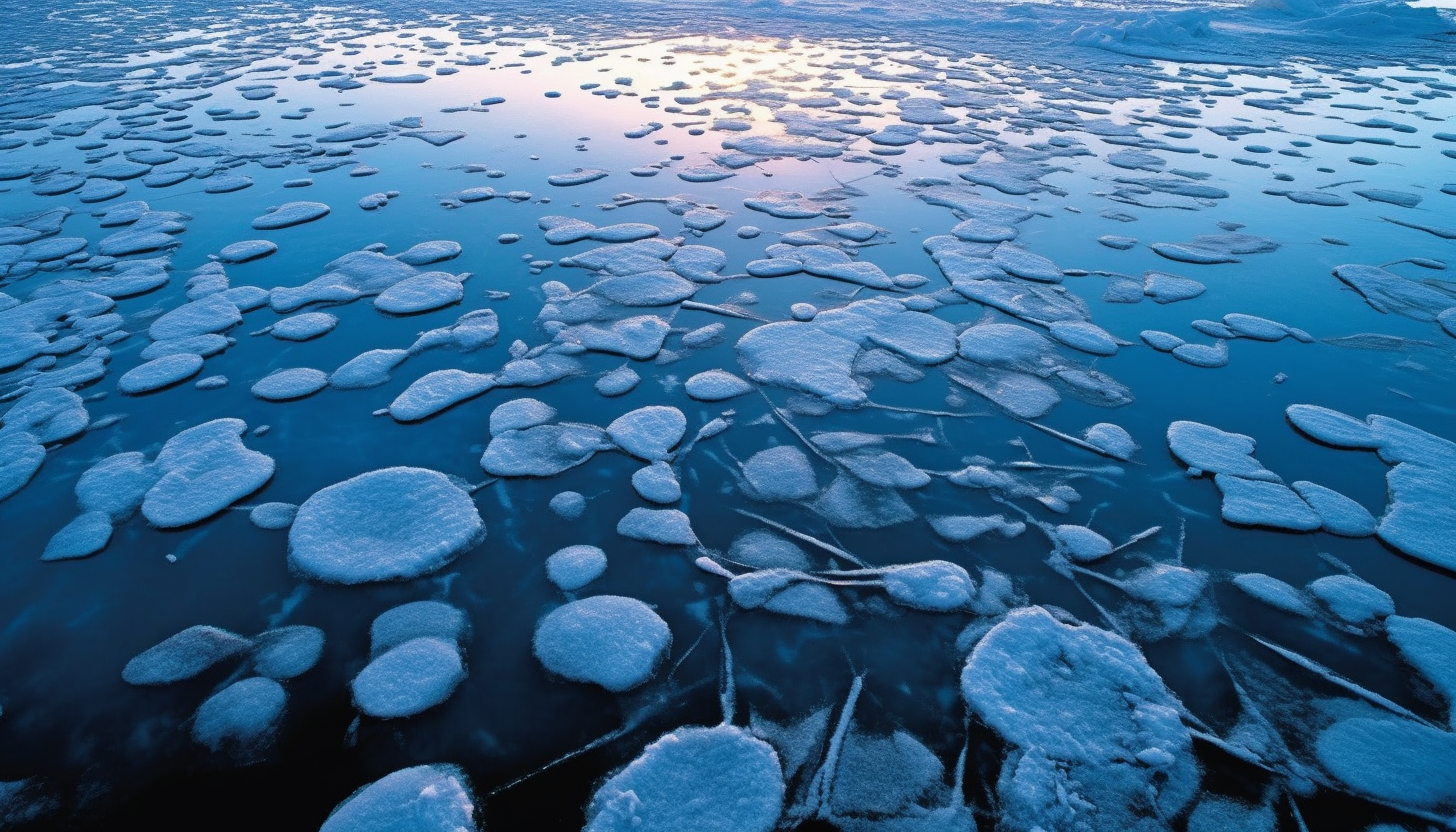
<point x="106" y="753"/>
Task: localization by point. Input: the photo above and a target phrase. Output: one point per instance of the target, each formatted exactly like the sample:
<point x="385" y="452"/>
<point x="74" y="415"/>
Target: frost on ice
<point x="1093" y="733"/>
<point x="608" y="640"/>
<point x="394" y="523"/>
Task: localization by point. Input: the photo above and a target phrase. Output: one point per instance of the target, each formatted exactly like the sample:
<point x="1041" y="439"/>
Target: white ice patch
<point x="394" y="523"/>
<point x="241" y="720"/>
<point x="408" y="679"/>
<point x="607" y="640"/>
<point x="574" y="567"/>
<point x="431" y="798"/>
<point x="717" y="779"/>
<point x="1094" y="734"/>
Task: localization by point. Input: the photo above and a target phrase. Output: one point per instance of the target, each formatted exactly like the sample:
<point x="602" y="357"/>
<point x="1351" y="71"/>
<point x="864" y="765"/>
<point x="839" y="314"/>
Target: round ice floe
<point x="766" y="550"/>
<point x="116" y="484"/>
<point x="1275" y="593"/>
<point x="434" y="798"/>
<point x="80" y="538"/>
<point x="246" y="250"/>
<point x="667" y="526"/>
<point x="543" y="450"/>
<point x="1092" y="728"/>
<point x="1112" y="440"/>
<point x="781" y="473"/>
<point x="935" y="585"/>
<point x="183" y="656"/>
<point x="273" y="515"/>
<point x="1084" y="336"/>
<point x="422" y="293"/>
<point x="413" y="677"/>
<point x="716" y="386"/>
<point x="1207" y="448"/>
<point x="417" y="619"/>
<point x="657" y="483"/>
<point x="1352" y="600"/>
<point x="568" y="505"/>
<point x="648" y="433"/>
<point x="291" y="213"/>
<point x="20" y="457"/>
<point x="368" y="369"/>
<point x="608" y="640"/>
<point x="1339" y="514"/>
<point x="618" y="382"/>
<point x="1429" y="648"/>
<point x="717" y="779"/>
<point x="435" y="251"/>
<point x="438" y="390"/>
<point x="1203" y="355"/>
<point x="1331" y="426"/>
<point x="803" y="311"/>
<point x="209" y="315"/>
<point x="159" y="373"/>
<point x="204" y="470"/>
<point x="1082" y="544"/>
<point x="242" y="718"/>
<point x="519" y="414"/>
<point x="285" y="385"/>
<point x="961" y="528"/>
<point x="305" y="326"/>
<point x="287" y="652"/>
<point x="1161" y="341"/>
<point x="575" y="566"/>
<point x="1391" y="760"/>
<point x="50" y="414"/>
<point x="384" y="525"/>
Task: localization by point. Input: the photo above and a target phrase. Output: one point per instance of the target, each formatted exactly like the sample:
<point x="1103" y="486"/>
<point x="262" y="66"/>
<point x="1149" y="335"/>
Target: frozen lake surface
<point x="692" y="416"/>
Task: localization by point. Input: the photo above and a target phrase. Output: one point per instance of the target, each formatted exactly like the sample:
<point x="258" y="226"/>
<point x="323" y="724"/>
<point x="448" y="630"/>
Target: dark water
<point x="91" y="752"/>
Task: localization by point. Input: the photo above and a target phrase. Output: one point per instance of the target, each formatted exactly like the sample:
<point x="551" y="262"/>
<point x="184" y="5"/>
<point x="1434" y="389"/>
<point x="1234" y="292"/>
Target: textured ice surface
<point x="937" y="585"/>
<point x="1275" y="593"/>
<point x="294" y="383"/>
<point x="1208" y="449"/>
<point x="608" y="640"/>
<point x="428" y="798"/>
<point x="290" y="214"/>
<point x="574" y="567"/>
<point x="184" y="656"/>
<point x="408" y="679"/>
<point x="667" y="526"/>
<point x="1260" y="503"/>
<point x="203" y="471"/>
<point x="1392" y="760"/>
<point x="287" y="652"/>
<point x="384" y="525"/>
<point x="836" y="399"/>
<point x="716" y="386"/>
<point x="368" y="369"/>
<point x="719" y="778"/>
<point x="85" y="536"/>
<point x="304" y="327"/>
<point x="242" y="718"/>
<point x="648" y="433"/>
<point x="1352" y="600"/>
<point x="568" y="505"/>
<point x="780" y="474"/>
<point x="542" y="450"/>
<point x="1093" y="732"/>
<point x="417" y="619"/>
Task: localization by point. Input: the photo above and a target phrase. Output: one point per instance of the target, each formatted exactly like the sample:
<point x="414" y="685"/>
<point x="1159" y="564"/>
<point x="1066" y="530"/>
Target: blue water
<point x="87" y="751"/>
